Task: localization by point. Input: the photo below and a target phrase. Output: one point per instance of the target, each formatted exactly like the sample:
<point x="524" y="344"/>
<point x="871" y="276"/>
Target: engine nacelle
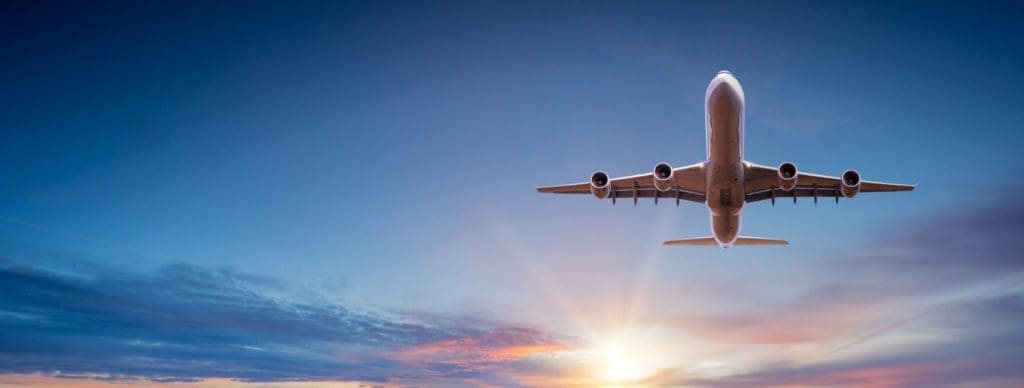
<point x="851" y="183"/>
<point x="663" y="177"/>
<point x="600" y="185"/>
<point x="787" y="176"/>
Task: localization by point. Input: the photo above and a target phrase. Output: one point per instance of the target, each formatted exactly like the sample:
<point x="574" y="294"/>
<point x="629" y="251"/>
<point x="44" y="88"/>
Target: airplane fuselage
<point x="724" y="168"/>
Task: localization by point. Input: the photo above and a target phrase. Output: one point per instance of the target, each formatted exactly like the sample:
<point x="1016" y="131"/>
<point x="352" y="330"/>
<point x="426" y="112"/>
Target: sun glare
<point x="621" y="365"/>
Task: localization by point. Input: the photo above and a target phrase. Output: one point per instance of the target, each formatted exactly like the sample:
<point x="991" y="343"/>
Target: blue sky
<point x="381" y="158"/>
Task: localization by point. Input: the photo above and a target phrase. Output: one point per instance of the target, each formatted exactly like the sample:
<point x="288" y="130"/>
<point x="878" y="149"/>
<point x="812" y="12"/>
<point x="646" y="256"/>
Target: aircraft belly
<point x="725" y="228"/>
<point x="725" y="185"/>
<point x="725" y="192"/>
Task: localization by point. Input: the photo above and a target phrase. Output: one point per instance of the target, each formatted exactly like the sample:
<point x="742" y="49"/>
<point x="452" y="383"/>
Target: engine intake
<point x="663" y="177"/>
<point x="851" y="183"/>
<point x="787" y="176"/>
<point x="600" y="185"/>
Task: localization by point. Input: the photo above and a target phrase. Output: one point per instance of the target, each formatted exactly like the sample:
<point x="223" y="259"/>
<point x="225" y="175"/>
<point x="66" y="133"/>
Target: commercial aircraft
<point x="725" y="181"/>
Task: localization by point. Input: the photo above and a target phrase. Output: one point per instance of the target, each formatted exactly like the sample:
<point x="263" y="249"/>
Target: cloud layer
<point x="937" y="304"/>
<point x="933" y="302"/>
<point x="184" y="323"/>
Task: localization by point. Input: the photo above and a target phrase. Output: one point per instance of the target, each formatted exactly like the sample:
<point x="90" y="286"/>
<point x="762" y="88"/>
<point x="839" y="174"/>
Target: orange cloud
<point x="475" y="349"/>
<point x="496" y="353"/>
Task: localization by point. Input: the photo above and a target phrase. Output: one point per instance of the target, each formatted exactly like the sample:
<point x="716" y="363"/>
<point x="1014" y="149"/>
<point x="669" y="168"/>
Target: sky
<point x="322" y="194"/>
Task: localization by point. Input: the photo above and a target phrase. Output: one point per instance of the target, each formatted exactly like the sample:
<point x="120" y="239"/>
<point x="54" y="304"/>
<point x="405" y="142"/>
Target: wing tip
<point x="545" y="189"/>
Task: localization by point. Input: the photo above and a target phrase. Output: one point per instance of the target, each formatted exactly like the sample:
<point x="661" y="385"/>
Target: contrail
<point x="984" y="294"/>
<point x="59" y="232"/>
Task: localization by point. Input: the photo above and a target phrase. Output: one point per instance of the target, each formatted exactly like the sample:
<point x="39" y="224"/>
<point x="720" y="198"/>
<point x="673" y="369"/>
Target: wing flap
<point x="799" y="191"/>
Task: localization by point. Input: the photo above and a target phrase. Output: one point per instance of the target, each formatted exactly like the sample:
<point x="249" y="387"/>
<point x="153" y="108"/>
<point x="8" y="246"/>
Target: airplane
<point x="725" y="181"/>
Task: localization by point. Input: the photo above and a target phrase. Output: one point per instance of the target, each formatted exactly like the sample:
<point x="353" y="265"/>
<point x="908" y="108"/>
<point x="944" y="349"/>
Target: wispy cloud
<point x="187" y="323"/>
<point x="938" y="300"/>
<point x="981" y="344"/>
<point x="934" y="301"/>
<point x="929" y="260"/>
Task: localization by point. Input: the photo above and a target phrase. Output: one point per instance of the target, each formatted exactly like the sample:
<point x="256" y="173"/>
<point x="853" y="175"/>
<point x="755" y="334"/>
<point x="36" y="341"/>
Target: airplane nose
<point x="725" y="87"/>
<point x="724" y="92"/>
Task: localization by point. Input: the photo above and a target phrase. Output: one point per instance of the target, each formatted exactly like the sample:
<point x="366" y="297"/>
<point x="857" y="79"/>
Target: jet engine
<point x="663" y="177"/>
<point x="787" y="176"/>
<point x="600" y="185"/>
<point x="851" y="183"/>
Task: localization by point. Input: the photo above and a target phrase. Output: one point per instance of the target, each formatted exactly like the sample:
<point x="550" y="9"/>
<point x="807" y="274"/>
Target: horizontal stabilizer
<point x="742" y="240"/>
<point x="696" y="241"/>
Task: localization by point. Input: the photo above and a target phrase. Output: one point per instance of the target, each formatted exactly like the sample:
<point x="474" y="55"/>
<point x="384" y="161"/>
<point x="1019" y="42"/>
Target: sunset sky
<point x="341" y="194"/>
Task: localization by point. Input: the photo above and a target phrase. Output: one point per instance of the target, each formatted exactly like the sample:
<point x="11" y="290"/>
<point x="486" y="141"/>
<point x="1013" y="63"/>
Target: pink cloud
<point x="477" y="354"/>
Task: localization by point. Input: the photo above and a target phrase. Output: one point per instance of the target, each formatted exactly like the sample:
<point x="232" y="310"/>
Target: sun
<point x="621" y="365"/>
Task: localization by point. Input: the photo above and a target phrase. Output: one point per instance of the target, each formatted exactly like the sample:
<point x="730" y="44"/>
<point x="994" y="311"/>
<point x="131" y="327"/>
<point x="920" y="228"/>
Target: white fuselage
<point x="725" y="185"/>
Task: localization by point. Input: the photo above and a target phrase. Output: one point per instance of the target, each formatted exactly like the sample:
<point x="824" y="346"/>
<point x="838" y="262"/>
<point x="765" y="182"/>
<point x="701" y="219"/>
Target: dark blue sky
<point x="384" y="155"/>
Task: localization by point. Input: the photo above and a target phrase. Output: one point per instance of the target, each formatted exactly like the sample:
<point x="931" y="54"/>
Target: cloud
<point x="471" y="356"/>
<point x="187" y="323"/>
<point x="935" y="301"/>
<point x="908" y="268"/>
<point x="816" y="314"/>
<point x="933" y="253"/>
<point x="982" y="345"/>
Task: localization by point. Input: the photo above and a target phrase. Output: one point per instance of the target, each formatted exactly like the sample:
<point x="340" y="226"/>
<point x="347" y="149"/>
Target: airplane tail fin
<point x="742" y="240"/>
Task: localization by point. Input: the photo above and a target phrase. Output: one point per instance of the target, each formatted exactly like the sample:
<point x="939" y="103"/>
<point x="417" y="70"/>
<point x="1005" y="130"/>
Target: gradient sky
<point x="340" y="193"/>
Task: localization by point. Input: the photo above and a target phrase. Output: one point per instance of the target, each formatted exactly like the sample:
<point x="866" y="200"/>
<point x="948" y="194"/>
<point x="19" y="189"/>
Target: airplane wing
<point x="688" y="185"/>
<point x="762" y="183"/>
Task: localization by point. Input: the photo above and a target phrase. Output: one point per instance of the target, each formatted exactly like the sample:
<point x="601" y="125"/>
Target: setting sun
<point x="620" y="364"/>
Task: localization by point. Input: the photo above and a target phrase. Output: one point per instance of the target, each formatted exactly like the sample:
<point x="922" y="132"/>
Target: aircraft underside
<point x="725" y="181"/>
